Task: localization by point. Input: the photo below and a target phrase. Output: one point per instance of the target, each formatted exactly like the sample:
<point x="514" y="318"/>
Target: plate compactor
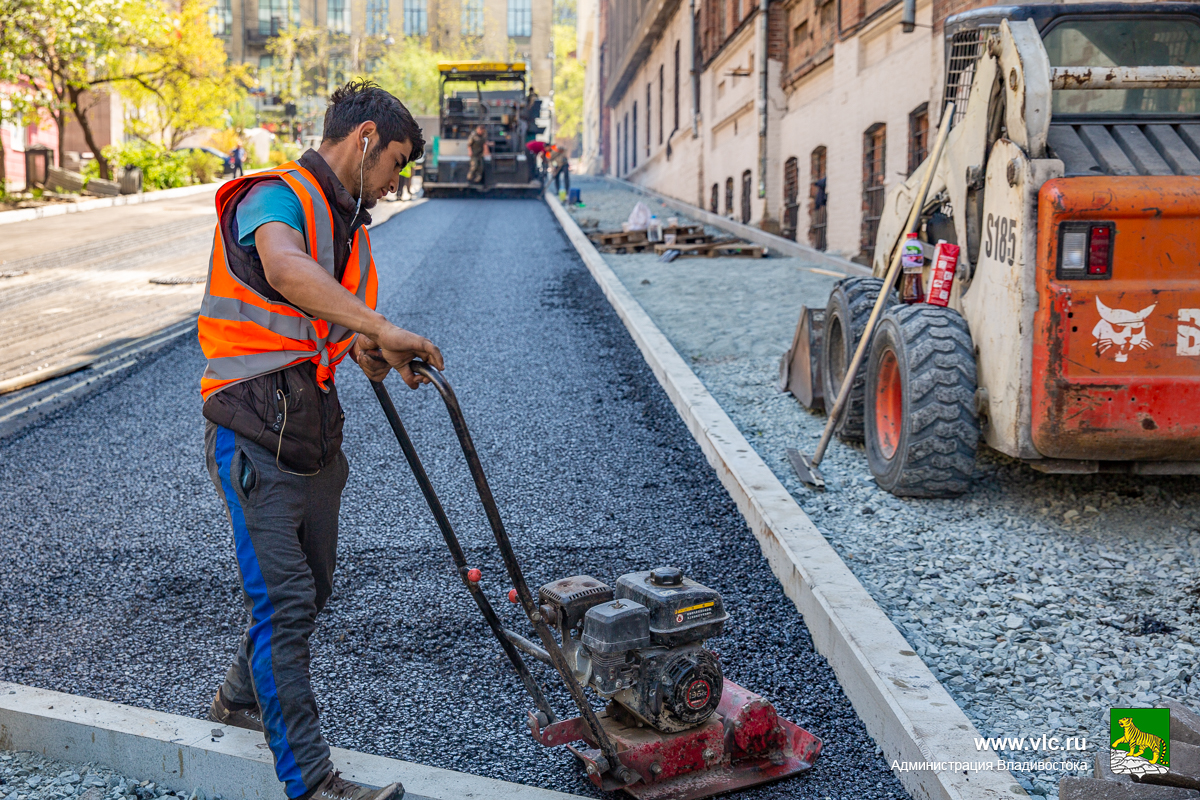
<point x="674" y="728"/>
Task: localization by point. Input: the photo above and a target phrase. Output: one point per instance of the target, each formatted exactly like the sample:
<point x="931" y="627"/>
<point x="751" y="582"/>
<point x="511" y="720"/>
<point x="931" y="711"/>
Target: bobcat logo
<point x="1138" y="741"/>
<point x="1121" y="329"/>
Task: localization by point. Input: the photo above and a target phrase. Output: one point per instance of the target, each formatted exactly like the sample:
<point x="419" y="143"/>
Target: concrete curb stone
<point x="1185" y="723"/>
<point x="1071" y="788"/>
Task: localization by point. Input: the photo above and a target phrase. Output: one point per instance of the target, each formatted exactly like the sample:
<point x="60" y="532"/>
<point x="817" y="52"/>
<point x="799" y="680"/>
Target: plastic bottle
<point x="654" y="231"/>
<point x="912" y="261"/>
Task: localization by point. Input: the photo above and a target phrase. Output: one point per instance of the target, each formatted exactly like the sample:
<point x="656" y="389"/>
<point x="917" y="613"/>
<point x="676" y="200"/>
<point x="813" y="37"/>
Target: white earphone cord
<point x="358" y="206"/>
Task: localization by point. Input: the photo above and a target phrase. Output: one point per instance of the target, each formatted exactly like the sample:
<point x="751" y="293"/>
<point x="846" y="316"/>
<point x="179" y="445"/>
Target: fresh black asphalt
<point x="118" y="579"/>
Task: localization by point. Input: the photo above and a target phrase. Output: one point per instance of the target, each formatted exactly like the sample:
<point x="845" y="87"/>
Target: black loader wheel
<point x="921" y="426"/>
<point x="846" y="316"/>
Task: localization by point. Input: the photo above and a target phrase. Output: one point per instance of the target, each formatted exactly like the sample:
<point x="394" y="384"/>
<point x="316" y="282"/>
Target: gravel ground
<point x="1039" y="600"/>
<point x="121" y="582"/>
<point x="28" y="776"/>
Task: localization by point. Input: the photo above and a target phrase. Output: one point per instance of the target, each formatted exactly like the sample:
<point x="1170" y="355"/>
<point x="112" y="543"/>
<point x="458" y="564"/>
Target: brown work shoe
<point x="334" y="787"/>
<point x="235" y="714"/>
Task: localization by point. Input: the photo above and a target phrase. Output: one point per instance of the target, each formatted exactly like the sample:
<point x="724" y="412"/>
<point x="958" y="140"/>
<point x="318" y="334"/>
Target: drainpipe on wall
<point x="762" y="105"/>
<point x="908" y="21"/>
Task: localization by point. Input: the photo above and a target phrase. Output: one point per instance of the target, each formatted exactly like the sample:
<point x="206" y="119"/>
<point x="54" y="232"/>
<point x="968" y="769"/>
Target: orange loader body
<point x="1116" y="358"/>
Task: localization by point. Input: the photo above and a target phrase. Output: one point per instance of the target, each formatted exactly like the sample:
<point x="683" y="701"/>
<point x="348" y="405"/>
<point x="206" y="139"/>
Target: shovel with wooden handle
<point x="805" y="467"/>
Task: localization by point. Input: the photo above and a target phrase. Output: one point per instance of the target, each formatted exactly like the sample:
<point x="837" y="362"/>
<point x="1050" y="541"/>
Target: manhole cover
<point x="176" y="281"/>
<point x="12" y="273"/>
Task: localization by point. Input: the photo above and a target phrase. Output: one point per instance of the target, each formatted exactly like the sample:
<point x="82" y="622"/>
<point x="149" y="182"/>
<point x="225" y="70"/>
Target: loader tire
<point x="846" y="316"/>
<point x="921" y="427"/>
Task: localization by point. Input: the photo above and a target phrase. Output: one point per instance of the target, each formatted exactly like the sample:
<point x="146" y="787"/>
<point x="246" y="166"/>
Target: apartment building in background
<point x="497" y="29"/>
<point x="676" y="102"/>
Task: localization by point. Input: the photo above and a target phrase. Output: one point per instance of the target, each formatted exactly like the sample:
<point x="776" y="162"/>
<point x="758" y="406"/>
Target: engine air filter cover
<point x="616" y="626"/>
<point x="679" y="613"/>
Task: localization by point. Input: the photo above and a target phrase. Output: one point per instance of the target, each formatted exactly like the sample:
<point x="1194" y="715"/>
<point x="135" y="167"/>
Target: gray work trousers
<point x="285" y="535"/>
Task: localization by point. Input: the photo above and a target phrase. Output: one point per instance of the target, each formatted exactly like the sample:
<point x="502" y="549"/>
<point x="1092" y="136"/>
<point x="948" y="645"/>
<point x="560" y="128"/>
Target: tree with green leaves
<point x="20" y="105"/>
<point x="568" y="77"/>
<point x="181" y="82"/>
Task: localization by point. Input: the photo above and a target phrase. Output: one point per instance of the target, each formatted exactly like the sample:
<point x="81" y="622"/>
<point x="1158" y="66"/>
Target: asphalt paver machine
<point x="673" y="728"/>
<point x="1071" y="333"/>
<point x="491" y="94"/>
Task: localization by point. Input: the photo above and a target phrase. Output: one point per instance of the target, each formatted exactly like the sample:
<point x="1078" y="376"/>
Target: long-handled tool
<point x="805" y="467"/>
<point x="675" y="728"/>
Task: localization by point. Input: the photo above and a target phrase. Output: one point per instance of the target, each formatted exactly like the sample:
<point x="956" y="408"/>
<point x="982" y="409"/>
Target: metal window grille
<point x="338" y="16"/>
<point x="472" y="18"/>
<point x="662" y="101"/>
<point x="520" y="17"/>
<point x="633" y="138"/>
<point x="747" y="184"/>
<point x="416" y="17"/>
<point x="918" y="137"/>
<point x="729" y="196"/>
<point x="625" y="148"/>
<point x="275" y="16"/>
<point x="791" y="196"/>
<point x="818" y="194"/>
<point x="220" y="18"/>
<point x="965" y="49"/>
<point x="715" y="200"/>
<point x="675" y="96"/>
<point x="874" y="144"/>
<point x="377" y="17"/>
<point x="649" y="105"/>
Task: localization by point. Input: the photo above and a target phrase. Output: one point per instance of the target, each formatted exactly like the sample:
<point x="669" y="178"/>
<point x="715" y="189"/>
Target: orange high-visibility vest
<point x="243" y="334"/>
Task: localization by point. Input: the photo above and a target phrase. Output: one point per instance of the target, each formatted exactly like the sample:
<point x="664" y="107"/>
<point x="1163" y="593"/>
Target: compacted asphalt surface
<point x="119" y="579"/>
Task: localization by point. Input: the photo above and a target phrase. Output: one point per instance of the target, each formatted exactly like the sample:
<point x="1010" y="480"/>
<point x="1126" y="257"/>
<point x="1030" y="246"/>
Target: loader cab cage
<point x="1084" y="34"/>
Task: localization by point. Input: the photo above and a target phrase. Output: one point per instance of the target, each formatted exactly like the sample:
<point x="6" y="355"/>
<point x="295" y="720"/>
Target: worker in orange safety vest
<point x="291" y="292"/>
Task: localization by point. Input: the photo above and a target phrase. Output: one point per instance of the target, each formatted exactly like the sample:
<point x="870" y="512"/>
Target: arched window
<point x="818" y="197"/>
<point x="729" y="196"/>
<point x="791" y="197"/>
<point x="714" y="201"/>
<point x="747" y="182"/>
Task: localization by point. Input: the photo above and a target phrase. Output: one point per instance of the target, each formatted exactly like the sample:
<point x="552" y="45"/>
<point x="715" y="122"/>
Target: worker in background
<point x="561" y="166"/>
<point x="477" y="147"/>
<point x="537" y="151"/>
<point x="280" y="311"/>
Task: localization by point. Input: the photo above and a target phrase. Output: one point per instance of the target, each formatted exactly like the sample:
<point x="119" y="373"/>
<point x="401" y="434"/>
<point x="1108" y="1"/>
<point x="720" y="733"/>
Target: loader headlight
<point x="1085" y="250"/>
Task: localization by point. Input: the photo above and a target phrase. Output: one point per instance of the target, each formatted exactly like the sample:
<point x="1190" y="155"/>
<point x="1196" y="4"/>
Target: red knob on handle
<point x="473" y="575"/>
<point x="512" y="595"/>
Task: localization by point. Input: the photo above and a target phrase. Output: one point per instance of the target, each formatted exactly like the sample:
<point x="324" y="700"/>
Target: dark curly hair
<point x="362" y="101"/>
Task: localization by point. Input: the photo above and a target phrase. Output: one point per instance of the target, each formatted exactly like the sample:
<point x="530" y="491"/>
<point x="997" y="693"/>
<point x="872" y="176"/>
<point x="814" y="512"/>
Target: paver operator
<point x="291" y="292"/>
<point x="477" y="145"/>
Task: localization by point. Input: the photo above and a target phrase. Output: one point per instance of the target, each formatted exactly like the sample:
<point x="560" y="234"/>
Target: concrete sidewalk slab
<point x="182" y="753"/>
<point x="904" y="707"/>
<point x="62" y="209"/>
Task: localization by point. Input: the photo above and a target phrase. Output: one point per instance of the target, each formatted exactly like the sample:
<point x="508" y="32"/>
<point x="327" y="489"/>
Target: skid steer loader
<point x="1069" y="181"/>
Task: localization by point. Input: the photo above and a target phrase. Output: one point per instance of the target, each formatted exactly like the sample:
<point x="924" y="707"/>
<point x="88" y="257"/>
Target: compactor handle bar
<point x="557" y="659"/>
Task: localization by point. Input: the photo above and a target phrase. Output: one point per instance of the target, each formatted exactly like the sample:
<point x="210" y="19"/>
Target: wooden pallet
<point x="724" y="248"/>
<point x="625" y="249"/>
<point x="617" y="238"/>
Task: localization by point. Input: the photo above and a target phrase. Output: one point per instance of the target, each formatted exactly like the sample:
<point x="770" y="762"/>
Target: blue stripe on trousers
<point x="260" y="629"/>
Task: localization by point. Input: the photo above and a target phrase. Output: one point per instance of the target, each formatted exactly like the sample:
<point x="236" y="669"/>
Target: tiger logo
<point x="1138" y="741"/>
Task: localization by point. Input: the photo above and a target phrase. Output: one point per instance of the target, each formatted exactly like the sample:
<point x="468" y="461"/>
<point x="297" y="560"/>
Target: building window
<point x="338" y="15"/>
<point x="791" y="197"/>
<point x="729" y="197"/>
<point x="747" y="183"/>
<point x="661" y="100"/>
<point x="377" y="17"/>
<point x="918" y="137"/>
<point x="337" y="72"/>
<point x="472" y="18"/>
<point x="874" y="144"/>
<point x="277" y="15"/>
<point x="416" y="18"/>
<point x="675" y="96"/>
<point x="625" y="147"/>
<point x="649" y="105"/>
<point x="520" y="18"/>
<point x="714" y="201"/>
<point x="818" y="199"/>
<point x="633" y="136"/>
<point x="220" y="18"/>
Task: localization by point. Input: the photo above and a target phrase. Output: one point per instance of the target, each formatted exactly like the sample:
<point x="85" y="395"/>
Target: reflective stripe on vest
<point x="243" y="334"/>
